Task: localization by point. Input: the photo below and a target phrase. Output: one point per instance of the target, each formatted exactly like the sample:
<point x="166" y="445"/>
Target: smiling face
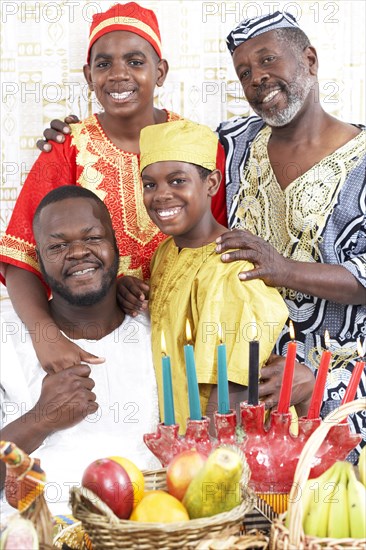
<point x="123" y="72"/>
<point x="276" y="79"/>
<point x="77" y="250"/>
<point x="178" y="200"/>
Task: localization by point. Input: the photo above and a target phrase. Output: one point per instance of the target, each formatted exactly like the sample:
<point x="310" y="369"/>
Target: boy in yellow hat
<point x="188" y="279"/>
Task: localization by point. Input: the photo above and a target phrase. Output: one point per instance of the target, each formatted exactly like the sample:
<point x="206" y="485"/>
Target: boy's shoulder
<point x="171" y="116"/>
<point x="212" y="260"/>
<point x="91" y="120"/>
<point x="165" y="245"/>
<point x="206" y="253"/>
<point x="205" y="261"/>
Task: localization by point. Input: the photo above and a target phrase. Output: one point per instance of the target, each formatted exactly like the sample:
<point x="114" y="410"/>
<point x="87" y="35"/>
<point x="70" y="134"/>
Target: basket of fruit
<point x="214" y="501"/>
<point x="328" y="512"/>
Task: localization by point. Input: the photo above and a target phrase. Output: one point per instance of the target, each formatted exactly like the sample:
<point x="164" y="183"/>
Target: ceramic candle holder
<point x="165" y="443"/>
<point x="336" y="446"/>
<point x="273" y="452"/>
<point x="225" y="426"/>
<point x="197" y="436"/>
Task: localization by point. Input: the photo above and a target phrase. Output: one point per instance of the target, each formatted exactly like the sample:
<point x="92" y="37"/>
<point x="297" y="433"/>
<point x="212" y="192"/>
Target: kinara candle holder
<point x="166" y="442"/>
<point x="273" y="451"/>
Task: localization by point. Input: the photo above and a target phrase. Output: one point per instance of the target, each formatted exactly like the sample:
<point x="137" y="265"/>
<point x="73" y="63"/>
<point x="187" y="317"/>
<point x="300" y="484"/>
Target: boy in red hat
<point x="101" y="153"/>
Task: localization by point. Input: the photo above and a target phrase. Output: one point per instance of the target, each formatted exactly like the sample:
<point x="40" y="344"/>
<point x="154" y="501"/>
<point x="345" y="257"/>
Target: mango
<point x="216" y="487"/>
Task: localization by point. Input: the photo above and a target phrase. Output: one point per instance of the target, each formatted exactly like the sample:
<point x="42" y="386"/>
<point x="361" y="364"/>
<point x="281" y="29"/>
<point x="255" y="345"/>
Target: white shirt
<point x="126" y="392"/>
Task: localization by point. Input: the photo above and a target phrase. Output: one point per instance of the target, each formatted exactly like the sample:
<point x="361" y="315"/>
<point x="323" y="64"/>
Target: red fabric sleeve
<point x="218" y="204"/>
<point x="50" y="170"/>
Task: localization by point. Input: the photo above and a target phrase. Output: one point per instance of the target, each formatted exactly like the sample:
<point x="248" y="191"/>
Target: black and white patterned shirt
<point x="320" y="217"/>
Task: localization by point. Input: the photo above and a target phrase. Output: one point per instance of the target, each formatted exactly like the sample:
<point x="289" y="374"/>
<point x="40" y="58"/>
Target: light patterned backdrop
<point x="43" y="48"/>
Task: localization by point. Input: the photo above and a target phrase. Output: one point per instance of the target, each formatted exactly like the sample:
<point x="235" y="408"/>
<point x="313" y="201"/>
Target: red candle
<point x="354" y="382"/>
<point x="355" y="377"/>
<point x="288" y="375"/>
<point x="318" y="392"/>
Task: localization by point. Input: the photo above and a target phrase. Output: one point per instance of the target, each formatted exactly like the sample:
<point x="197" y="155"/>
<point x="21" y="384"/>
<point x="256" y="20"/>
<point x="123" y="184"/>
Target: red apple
<point x="111" y="483"/>
<point x="181" y="470"/>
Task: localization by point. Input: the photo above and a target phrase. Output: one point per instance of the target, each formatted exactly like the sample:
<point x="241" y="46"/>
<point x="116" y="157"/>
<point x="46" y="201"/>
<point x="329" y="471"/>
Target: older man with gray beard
<point x="296" y="202"/>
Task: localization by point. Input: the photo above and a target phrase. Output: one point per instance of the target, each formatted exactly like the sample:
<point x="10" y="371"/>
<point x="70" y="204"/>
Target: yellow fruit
<point x="216" y="487"/>
<point x="362" y="465"/>
<point x="159" y="506"/>
<point x="135" y="475"/>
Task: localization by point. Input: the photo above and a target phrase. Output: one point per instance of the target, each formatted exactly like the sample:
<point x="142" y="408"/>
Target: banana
<point x="334" y="504"/>
<point x="338" y="517"/>
<point x="322" y="491"/>
<point x="362" y="465"/>
<point x="356" y="493"/>
<point x="307" y="499"/>
<point x="310" y="505"/>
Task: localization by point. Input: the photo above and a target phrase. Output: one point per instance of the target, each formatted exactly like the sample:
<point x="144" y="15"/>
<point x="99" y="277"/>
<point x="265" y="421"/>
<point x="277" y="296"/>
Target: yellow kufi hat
<point x="181" y="140"/>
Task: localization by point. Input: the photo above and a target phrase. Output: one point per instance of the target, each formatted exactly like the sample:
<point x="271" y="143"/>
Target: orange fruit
<point x="159" y="506"/>
<point x="135" y="475"/>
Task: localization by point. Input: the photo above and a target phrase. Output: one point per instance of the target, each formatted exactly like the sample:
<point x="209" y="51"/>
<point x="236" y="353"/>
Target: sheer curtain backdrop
<point x="43" y="49"/>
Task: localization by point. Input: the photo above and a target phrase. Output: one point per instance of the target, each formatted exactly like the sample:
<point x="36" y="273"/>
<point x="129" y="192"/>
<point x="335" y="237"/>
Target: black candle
<point x="253" y="372"/>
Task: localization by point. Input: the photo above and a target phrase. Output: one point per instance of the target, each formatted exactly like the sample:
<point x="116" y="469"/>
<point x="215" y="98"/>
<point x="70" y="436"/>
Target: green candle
<point x="193" y="391"/>
<point x="222" y="381"/>
<point x="169" y="417"/>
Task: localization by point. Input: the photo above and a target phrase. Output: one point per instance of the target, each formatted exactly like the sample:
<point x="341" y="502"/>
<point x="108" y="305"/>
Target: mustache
<point x="266" y="89"/>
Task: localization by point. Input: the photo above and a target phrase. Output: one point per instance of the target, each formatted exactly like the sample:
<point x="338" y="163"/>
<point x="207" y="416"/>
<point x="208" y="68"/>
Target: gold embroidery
<point x="90" y="178"/>
<point x="113" y="175"/>
<point x="125" y="269"/>
<point x="292" y="220"/>
<point x="134" y="272"/>
<point x="19" y="250"/>
<point x="341" y="356"/>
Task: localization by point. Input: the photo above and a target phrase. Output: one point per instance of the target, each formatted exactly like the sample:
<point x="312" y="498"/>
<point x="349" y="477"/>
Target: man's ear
<point x="88" y="78"/>
<point x="213" y="182"/>
<point x="163" y="69"/>
<point x="312" y="60"/>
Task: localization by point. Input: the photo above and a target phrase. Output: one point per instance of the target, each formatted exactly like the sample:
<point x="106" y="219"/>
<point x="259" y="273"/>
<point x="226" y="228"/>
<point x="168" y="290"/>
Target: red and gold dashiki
<point x="89" y="159"/>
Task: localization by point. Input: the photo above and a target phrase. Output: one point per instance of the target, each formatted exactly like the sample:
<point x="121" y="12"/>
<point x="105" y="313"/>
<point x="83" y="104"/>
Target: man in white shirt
<point x="85" y="412"/>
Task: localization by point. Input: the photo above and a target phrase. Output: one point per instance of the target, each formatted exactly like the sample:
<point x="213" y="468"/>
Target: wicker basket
<point x="294" y="538"/>
<point x="106" y="531"/>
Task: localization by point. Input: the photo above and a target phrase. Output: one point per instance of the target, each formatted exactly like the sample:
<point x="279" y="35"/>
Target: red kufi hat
<point x="126" y="17"/>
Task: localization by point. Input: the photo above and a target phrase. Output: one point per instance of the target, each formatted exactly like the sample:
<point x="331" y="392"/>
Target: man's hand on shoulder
<point x="268" y="264"/>
<point x="56" y="133"/>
